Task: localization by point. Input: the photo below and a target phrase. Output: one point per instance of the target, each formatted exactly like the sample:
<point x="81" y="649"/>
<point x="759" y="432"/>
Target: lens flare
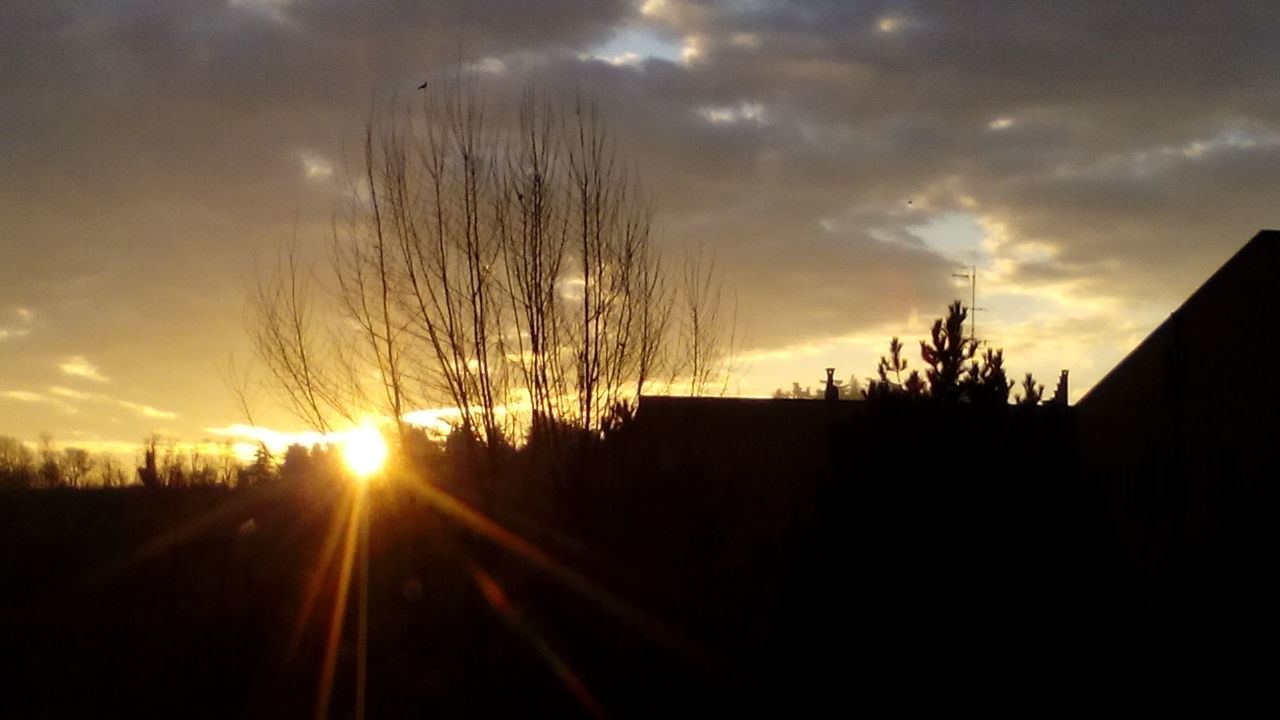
<point x="364" y="451"/>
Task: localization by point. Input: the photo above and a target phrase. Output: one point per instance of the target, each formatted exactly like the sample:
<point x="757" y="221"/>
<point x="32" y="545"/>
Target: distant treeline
<point x="157" y="464"/>
<point x="161" y="464"/>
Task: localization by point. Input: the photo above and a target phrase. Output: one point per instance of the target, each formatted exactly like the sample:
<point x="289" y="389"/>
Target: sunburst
<point x="365" y="451"/>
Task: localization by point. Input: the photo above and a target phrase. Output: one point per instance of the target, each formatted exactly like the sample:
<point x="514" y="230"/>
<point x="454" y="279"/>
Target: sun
<point x="364" y="451"/>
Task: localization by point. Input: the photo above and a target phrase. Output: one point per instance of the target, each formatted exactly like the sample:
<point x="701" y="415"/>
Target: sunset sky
<point x="1094" y="160"/>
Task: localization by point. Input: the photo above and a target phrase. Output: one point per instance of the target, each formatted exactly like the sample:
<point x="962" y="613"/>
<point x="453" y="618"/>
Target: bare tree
<point x="17" y="463"/>
<point x="227" y="464"/>
<point x="110" y="471"/>
<point x="49" y="473"/>
<point x="705" y="339"/>
<point x="148" y="473"/>
<point x="506" y="269"/>
<point x="76" y="464"/>
<point x="286" y="338"/>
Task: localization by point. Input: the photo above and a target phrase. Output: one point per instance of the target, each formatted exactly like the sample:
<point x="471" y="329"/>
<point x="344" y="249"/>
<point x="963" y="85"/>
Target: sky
<point x="1095" y="161"/>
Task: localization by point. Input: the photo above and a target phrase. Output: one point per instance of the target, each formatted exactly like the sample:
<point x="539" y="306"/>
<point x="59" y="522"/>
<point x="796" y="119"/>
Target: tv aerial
<point x="972" y="277"/>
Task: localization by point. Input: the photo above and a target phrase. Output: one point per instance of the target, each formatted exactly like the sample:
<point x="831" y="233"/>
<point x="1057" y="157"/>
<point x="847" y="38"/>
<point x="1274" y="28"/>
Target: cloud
<point x="250" y="437"/>
<point x="274" y="10"/>
<point x="752" y="112"/>
<point x="26" y="396"/>
<point x="147" y="410"/>
<point x="315" y="167"/>
<point x="76" y="394"/>
<point x="486" y="66"/>
<point x="622" y="58"/>
<point x="79" y="366"/>
<point x="24" y="316"/>
<point x="143" y="410"/>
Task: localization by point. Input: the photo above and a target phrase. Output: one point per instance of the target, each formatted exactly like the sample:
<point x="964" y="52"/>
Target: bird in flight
<point x="423" y="86"/>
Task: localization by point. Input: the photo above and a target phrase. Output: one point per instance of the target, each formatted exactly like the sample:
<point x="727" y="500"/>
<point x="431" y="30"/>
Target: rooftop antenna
<point x="972" y="277"/>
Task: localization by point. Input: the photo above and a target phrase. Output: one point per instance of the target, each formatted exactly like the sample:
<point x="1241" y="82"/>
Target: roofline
<point x="1257" y="238"/>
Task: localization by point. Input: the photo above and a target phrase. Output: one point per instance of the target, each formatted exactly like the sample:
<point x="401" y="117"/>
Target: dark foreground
<point x="895" y="598"/>
<point x="195" y="603"/>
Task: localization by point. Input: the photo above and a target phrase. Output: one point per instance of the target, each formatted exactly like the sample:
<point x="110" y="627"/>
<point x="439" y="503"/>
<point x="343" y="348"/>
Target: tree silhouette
<point x="172" y="471"/>
<point x="912" y="387"/>
<point x="262" y="469"/>
<point x="17" y="464"/>
<point x="49" y="472"/>
<point x="110" y="473"/>
<point x="76" y="464"/>
<point x="149" y="473"/>
<point x="488" y="267"/>
<point x="985" y="383"/>
<point x="1032" y="393"/>
<point x="296" y="463"/>
<point x="947" y="379"/>
<point x="946" y="354"/>
<point x="703" y="336"/>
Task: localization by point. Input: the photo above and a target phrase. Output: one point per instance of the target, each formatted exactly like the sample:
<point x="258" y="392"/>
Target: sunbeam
<point x="233" y="512"/>
<point x="324" y="563"/>
<point x="653" y="628"/>
<point x="498" y="600"/>
<point x="339" y="607"/>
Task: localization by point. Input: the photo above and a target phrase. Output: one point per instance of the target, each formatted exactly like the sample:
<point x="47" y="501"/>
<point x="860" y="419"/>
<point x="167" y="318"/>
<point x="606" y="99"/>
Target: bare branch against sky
<point x="500" y="263"/>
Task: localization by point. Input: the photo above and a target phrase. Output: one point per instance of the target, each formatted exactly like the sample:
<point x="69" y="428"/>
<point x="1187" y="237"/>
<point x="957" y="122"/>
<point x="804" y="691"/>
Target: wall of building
<point x="1178" y="445"/>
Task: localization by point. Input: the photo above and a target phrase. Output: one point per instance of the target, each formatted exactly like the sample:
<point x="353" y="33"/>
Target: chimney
<point x="1060" y="394"/>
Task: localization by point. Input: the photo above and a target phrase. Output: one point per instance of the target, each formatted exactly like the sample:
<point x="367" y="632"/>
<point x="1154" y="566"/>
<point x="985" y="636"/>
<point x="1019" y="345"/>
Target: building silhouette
<point x="1121" y="546"/>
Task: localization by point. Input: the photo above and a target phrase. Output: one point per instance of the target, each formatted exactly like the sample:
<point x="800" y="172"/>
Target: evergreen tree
<point x="946" y="354"/>
<point x="261" y="470"/>
<point x="986" y="382"/>
<point x="955" y="372"/>
<point x="914" y="385"/>
<point x="1032" y="393"/>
